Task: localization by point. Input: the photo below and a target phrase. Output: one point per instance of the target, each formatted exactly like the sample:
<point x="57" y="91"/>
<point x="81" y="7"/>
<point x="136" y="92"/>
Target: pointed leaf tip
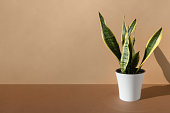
<point x="100" y="15"/>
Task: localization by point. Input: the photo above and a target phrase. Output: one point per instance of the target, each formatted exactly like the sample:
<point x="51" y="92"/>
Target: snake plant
<point x="128" y="58"/>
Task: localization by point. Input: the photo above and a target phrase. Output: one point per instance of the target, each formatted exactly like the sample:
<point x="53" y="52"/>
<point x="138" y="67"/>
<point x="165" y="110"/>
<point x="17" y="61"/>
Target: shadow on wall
<point x="155" y="91"/>
<point x="163" y="63"/>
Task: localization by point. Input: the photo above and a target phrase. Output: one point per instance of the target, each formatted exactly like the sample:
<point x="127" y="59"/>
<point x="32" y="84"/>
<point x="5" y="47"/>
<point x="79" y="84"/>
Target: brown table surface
<point x="80" y="99"/>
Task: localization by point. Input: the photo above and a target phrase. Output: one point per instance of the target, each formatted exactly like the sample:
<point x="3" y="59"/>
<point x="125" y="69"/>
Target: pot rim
<point x="141" y="71"/>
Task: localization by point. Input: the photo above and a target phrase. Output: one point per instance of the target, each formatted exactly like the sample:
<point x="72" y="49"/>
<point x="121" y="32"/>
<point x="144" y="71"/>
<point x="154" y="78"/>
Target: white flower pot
<point x="129" y="85"/>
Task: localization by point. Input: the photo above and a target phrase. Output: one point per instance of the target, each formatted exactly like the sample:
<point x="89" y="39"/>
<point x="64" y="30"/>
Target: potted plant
<point x="129" y="77"/>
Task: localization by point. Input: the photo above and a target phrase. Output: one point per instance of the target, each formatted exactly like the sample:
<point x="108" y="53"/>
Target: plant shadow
<point x="161" y="90"/>
<point x="155" y="91"/>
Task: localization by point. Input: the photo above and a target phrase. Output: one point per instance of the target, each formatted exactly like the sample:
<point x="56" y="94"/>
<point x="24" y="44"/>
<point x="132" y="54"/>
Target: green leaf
<point x="135" y="60"/>
<point x="130" y="30"/>
<point x="109" y="38"/>
<point x="125" y="56"/>
<point x="132" y="53"/>
<point x="124" y="30"/>
<point x="133" y="40"/>
<point x="134" y="36"/>
<point x="131" y="48"/>
<point x="151" y="45"/>
<point x="132" y="27"/>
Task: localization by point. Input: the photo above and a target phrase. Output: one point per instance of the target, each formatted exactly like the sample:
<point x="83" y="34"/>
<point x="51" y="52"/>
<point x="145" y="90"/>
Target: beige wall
<point x="59" y="41"/>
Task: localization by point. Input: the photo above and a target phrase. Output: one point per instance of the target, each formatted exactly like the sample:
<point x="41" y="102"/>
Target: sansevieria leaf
<point x="131" y="47"/>
<point x="133" y="40"/>
<point x="130" y="30"/>
<point x="151" y="45"/>
<point x="132" y="53"/>
<point x="109" y="38"/>
<point x="127" y="35"/>
<point x="134" y="36"/>
<point x="132" y="27"/>
<point x="135" y="60"/>
<point x="124" y="30"/>
<point x="125" y="56"/>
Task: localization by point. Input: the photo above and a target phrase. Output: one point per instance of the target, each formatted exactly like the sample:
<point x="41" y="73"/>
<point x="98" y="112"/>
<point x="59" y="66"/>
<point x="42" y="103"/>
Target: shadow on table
<point x="155" y="91"/>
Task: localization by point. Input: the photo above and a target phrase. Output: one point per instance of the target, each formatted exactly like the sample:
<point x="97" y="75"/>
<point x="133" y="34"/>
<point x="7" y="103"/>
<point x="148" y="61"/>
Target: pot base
<point x="132" y="100"/>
